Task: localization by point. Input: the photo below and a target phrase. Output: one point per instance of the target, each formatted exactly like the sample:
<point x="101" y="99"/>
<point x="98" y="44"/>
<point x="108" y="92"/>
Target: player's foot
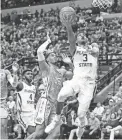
<point x="53" y="124"/>
<point x="19" y="136"/>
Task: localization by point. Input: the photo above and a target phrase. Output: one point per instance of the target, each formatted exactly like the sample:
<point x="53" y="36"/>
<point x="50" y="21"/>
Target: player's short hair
<point x="26" y="71"/>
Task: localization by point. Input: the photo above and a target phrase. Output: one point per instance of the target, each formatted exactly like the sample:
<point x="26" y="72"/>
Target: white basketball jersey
<point x="26" y="97"/>
<point x="85" y="65"/>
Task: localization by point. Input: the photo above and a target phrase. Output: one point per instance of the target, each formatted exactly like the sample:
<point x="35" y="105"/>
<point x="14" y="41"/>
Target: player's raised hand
<point x="15" y="67"/>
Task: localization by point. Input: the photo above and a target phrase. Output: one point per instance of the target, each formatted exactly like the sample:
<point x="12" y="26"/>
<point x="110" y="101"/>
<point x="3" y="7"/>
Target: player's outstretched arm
<point x="71" y="38"/>
<point x="13" y="80"/>
<point x="41" y="59"/>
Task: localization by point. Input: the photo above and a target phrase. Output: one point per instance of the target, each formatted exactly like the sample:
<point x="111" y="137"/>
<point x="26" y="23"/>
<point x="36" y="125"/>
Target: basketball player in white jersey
<point x="5" y="78"/>
<point x="25" y="103"/>
<point x="83" y="81"/>
<point x="53" y="78"/>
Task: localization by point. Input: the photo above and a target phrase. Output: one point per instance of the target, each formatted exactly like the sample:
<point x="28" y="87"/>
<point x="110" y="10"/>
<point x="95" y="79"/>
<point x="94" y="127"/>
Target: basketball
<point x="67" y="14"/>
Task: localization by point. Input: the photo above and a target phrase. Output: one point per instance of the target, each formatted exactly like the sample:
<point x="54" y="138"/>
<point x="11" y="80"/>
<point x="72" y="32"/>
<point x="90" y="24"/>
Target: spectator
<point x="70" y="125"/>
<point x="11" y="104"/>
<point x="119" y="114"/>
<point x="112" y="122"/>
<point x="109" y="96"/>
<point x="93" y="128"/>
<point x="110" y="104"/>
<point x="98" y="111"/>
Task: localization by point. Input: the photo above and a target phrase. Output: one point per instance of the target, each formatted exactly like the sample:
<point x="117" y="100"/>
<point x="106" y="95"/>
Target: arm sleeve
<point x="9" y="77"/>
<point x="41" y="49"/>
<point x="12" y="80"/>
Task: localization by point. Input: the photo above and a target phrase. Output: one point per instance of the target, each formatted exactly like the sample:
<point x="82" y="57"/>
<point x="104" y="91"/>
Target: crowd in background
<point x="27" y="31"/>
<point x="21" y="3"/>
<point x="24" y="33"/>
<point x="99" y="122"/>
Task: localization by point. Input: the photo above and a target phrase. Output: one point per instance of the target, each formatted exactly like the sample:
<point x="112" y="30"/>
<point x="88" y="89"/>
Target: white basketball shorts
<point x="83" y="87"/>
<point x="26" y="119"/>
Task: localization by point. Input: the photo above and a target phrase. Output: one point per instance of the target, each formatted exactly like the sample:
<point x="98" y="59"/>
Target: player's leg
<point x="66" y="91"/>
<point x="72" y="133"/>
<point x="56" y="132"/>
<point x="70" y="88"/>
<point x="18" y="129"/>
<point x="22" y="120"/>
<point x="30" y="130"/>
<point x="84" y="98"/>
<point x="31" y="123"/>
<point x="39" y="131"/>
<point x="39" y="119"/>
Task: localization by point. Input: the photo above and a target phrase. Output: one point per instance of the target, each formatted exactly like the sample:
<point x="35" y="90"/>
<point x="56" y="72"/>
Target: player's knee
<point x="61" y="98"/>
<point x="64" y="93"/>
<point x="81" y="116"/>
<point x="82" y="122"/>
<point x="81" y="113"/>
<point x="73" y="131"/>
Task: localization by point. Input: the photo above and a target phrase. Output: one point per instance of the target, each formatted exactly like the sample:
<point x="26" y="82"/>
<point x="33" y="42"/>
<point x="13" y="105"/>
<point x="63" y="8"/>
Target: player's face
<point x="81" y="39"/>
<point x="29" y="76"/>
<point x="52" y="58"/>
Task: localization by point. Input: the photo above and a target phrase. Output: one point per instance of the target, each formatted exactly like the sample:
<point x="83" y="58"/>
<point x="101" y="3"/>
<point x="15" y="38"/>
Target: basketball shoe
<point x="56" y="120"/>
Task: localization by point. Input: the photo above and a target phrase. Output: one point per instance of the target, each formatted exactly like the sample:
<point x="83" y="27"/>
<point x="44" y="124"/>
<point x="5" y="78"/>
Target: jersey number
<point x="30" y="96"/>
<point x="85" y="57"/>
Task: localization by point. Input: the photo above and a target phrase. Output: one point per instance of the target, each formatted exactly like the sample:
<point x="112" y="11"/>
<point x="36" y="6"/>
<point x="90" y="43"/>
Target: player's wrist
<point x="49" y="40"/>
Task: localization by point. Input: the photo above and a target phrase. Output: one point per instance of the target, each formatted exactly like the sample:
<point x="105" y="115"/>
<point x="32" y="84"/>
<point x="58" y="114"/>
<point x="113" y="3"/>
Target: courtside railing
<point x="108" y="78"/>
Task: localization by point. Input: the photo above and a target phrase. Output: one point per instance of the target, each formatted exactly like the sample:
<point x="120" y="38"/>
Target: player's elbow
<point x="39" y="51"/>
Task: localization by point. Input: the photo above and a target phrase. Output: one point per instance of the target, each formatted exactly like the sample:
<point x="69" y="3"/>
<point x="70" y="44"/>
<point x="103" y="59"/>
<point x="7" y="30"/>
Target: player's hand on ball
<point x="15" y="67"/>
<point x="67" y="16"/>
